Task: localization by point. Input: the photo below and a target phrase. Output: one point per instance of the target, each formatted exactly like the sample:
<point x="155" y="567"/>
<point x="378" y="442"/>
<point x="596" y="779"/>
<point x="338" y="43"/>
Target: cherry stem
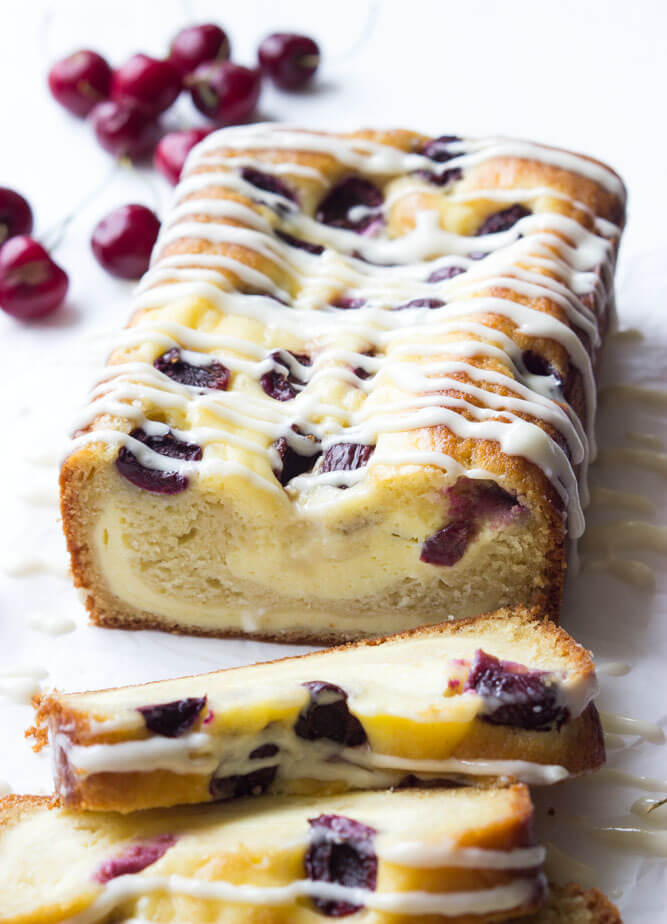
<point x="53" y="236"/>
<point x="372" y="10"/>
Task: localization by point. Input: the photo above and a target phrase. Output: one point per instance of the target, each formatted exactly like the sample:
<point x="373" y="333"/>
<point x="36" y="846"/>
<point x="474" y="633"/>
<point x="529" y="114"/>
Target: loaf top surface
<point x="323" y="311"/>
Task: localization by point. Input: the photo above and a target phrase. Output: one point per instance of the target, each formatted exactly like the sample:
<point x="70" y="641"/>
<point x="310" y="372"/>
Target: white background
<point x="585" y="75"/>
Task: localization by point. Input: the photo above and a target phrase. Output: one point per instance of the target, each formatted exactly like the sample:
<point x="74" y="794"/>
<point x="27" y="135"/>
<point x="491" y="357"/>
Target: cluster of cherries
<point x="124" y="106"/>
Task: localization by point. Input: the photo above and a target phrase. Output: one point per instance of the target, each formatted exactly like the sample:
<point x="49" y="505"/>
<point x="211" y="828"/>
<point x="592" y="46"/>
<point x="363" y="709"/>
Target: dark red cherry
<point x="346" y="457"/>
<point x="268" y="182"/>
<point x="123" y="240"/>
<point x="32" y="284"/>
<point x="353" y="204"/>
<point x="439" y="149"/>
<point x="124" y="129"/>
<point x="290" y="60"/>
<point x="224" y="91"/>
<point x="80" y="81"/>
<point x="421" y="303"/>
<point x="148" y="82"/>
<point x="196" y="45"/>
<point x="212" y="375"/>
<point x="292" y="461"/>
<point x="536" y="364"/>
<point x="15" y="214"/>
<point x="247" y="784"/>
<point x="471" y="502"/>
<point x="327" y="716"/>
<point x="341" y="851"/>
<point x="171" y="720"/>
<point x="516" y="695"/>
<point x="173" y="149"/>
<point x="502" y="220"/>
<point x="280" y="383"/>
<point x="308" y="246"/>
<point x="448" y="545"/>
<point x="445" y="272"/>
<point x="135" y="858"/>
<point x="157" y="480"/>
<point x="444" y="178"/>
<point x="348" y="302"/>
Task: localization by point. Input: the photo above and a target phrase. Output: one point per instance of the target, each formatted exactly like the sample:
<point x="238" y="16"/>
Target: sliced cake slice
<point x="458" y="856"/>
<point x="504" y="695"/>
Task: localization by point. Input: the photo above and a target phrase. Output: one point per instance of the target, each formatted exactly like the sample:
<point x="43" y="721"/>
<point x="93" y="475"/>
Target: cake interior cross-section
<point x="357" y="391"/>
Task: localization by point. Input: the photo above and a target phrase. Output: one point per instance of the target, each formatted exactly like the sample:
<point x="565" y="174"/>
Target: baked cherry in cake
<point x="354" y="204"/>
<point x="135" y="858"/>
<point x="327" y="716"/>
<point x="268" y="183"/>
<point x="209" y="375"/>
<point x="157" y="480"/>
<point x="516" y="695"/>
<point x="173" y="719"/>
<point x="341" y="851"/>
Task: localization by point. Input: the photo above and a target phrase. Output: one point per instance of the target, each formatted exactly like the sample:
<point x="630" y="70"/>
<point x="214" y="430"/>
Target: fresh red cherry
<point x="224" y="91"/>
<point x="80" y="81"/>
<point x="196" y="45"/>
<point x="123" y="240"/>
<point x="172" y="150"/>
<point x="148" y="82"/>
<point x="290" y="60"/>
<point x="124" y="129"/>
<point x="15" y="214"/>
<point x="32" y="285"/>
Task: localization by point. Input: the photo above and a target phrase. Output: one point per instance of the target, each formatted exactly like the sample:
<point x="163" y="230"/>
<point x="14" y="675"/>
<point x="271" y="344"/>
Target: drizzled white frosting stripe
<point x="556" y="243"/>
<point x="449" y="904"/>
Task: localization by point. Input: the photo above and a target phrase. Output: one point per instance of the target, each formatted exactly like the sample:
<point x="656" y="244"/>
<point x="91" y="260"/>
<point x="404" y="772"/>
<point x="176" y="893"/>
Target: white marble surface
<point x="581" y="74"/>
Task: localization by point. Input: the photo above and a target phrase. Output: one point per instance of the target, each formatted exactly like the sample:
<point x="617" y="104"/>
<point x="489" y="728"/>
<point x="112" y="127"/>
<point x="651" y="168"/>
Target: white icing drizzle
<point x="428" y="856"/>
<point x="613" y="668"/>
<point x="649" y="440"/>
<point x="559" y="245"/>
<point x="521" y="770"/>
<point x="625" y="725"/>
<point x="20" y="684"/>
<point x="28" y="564"/>
<point x="480" y="901"/>
<point x="621" y="778"/>
<point x="561" y="868"/>
<point x="51" y="623"/>
<point x="651" y="809"/>
<point x="633" y="572"/>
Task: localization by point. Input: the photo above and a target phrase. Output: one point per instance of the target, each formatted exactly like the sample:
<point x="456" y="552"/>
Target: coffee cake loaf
<point x="357" y="391"/>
